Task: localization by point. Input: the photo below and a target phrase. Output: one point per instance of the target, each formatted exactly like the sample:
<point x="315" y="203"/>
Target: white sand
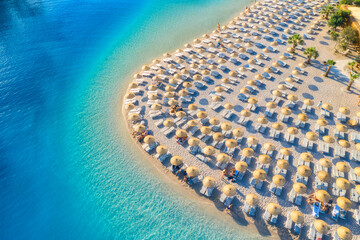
<point x="314" y="86"/>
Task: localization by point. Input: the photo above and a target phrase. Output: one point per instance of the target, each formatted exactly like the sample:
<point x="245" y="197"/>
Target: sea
<point x="68" y="168"/>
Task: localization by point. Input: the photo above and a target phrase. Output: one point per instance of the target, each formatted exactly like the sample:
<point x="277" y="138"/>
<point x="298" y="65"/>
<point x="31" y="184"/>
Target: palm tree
<point x="295" y="40"/>
<point x="351" y="65"/>
<point x="353" y="76"/>
<point x="330" y="63"/>
<point x="311" y="52"/>
<point x="328" y="10"/>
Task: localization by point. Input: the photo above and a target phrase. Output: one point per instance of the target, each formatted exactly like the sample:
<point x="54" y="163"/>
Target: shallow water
<point x="68" y="169"/>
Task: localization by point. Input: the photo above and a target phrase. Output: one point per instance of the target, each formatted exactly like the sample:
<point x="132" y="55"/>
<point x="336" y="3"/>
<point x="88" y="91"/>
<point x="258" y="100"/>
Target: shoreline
<point x="275" y="231"/>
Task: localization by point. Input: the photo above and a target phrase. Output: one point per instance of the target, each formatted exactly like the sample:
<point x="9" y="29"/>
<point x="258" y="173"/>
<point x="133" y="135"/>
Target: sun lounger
<point x="220" y="145"/>
<point x="246" y="208"/>
<point x="312" y="232"/>
<point x="206" y="191"/>
<point x="289" y="138"/>
<point x="275" y="134"/>
<point x="337" y="191"/>
<point x="256" y="183"/>
<point x="320" y="185"/>
<point x="269" y="112"/>
<point x="194" y="150"/>
<point x="340" y="152"/>
<point x="324" y="147"/>
<point x="289" y="222"/>
<point x="243" y="120"/>
<point x="169" y="131"/>
<point x="162" y="157"/>
<point x="325" y="113"/>
<point x="243" y="97"/>
<point x="341" y="117"/>
<point x="301" y="179"/>
<point x="215" y="106"/>
<point x="307" y="144"/>
<point x="290" y="104"/>
<point x="354" y="196"/>
<point x="306" y="108"/>
<point x="222" y="165"/>
<point x="266" y="215"/>
<point x="194" y="130"/>
<point x="202" y="158"/>
<point x="300" y="124"/>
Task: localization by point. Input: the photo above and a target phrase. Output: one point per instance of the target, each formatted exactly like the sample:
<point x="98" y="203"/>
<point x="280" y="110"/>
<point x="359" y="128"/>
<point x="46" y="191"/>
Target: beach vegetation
<point x="339" y="19"/>
<point x="346" y="2"/>
<point x="350" y="35"/>
<point x="310" y="53"/>
<point x="327" y="11"/>
<point x="353" y="77"/>
<point x="356" y="2"/>
<point x="295" y="40"/>
<point x="330" y="63"/>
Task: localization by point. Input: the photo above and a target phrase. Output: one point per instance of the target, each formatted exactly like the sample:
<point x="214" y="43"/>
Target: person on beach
<point x="223" y="174"/>
<point x="218" y="27"/>
<point x="228" y="208"/>
<point x="358" y="100"/>
<point x="319" y="104"/>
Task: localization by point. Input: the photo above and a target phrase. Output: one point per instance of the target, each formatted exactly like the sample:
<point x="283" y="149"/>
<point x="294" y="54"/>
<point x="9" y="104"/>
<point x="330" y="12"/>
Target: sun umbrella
<point x="197" y="77"/>
<point x="264" y="159"/>
<point x="311" y="136"/>
<point x="233" y="73"/>
<point x="262" y="120"/>
<point x="344" y="143"/>
<point x="252" y="83"/>
<point x="192" y="107"/>
<point x="242" y="69"/>
<point x="218" y="137"/>
<point x="248" y="152"/>
<point x="209" y="182"/>
<point x="292" y="130"/>
<point x="245" y="113"/>
<point x="259" y="77"/>
<point x="130" y="96"/>
<point x="134" y="85"/>
<point x="170" y="94"/>
<point x="134" y="117"/>
<point x="327" y="106"/>
<point x="304" y="171"/>
<point x="278" y="180"/>
<point x="192" y="171"/>
<point x="269" y="146"/>
<point x="286" y="151"/>
<point x="322" y="195"/>
<point x="244" y="90"/>
<point x="252" y="199"/>
<point x="342" y="167"/>
<point x="344" y="203"/>
<point x="252" y="140"/>
<point x="275" y="64"/>
<point x="303" y="117"/>
<point x="226" y="126"/>
<point x="193" y="141"/>
<point x="276" y="93"/>
<point x="274" y="208"/>
<point x="192" y="123"/>
<point x="285" y="111"/>
<point x="241" y="166"/>
<point x="168" y="122"/>
<point x="209" y="150"/>
<point x="292" y="97"/>
<point x="259" y="174"/>
<point x="277" y="126"/>
<point x="324" y="176"/>
<point x="357" y="188"/>
<point x="205" y="130"/>
<point x="322" y="122"/>
<point x="357" y="171"/>
<point x="229" y="190"/>
<point x="251" y="61"/>
<point x="344" y="233"/>
<point x="308" y="102"/>
<point x="299" y="188"/>
<point x="149" y="139"/>
<point x="176" y="160"/>
<point x="342" y="183"/>
<point x="324" y="162"/>
<point x="321" y="226"/>
<point x="344" y="110"/>
<point x="214" y="121"/>
<point x="180" y="114"/>
<point x="222" y="158"/>
<point x="229" y="106"/>
<point x="282" y="164"/>
<point x="139" y="128"/>
<point x="297" y="217"/>
<point x="183" y="92"/>
<point x="181" y="133"/>
<point x="282" y="87"/>
<point x="201" y="114"/>
<point x="328" y="139"/>
<point x="238" y="132"/>
<point x="253" y="100"/>
<point x="230" y="143"/>
<point x="271" y="105"/>
<point x="129" y="106"/>
<point x="341" y="127"/>
<point x="161" y="149"/>
<point x="307" y="157"/>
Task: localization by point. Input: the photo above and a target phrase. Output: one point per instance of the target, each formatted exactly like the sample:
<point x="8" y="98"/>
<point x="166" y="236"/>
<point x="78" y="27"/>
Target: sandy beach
<point x="238" y="37"/>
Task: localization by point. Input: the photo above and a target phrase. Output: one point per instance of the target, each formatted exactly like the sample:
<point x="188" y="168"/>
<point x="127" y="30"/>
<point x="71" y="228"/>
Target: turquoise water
<point x="67" y="168"/>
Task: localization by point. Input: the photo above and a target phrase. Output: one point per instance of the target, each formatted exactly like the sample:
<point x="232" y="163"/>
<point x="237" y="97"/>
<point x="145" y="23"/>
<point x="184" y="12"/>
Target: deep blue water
<point x="66" y="169"/>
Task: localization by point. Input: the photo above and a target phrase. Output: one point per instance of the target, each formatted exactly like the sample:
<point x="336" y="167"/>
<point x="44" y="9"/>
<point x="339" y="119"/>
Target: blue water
<point x="67" y="170"/>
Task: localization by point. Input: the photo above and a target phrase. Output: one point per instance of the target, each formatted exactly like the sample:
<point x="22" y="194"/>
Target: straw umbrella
<point x="130" y="95"/>
<point x="262" y="120"/>
<point x="230" y="143"/>
<point x="134" y="117"/>
<point x="328" y="139"/>
<point x="193" y="142"/>
<point x="271" y="105"/>
<point x="229" y="106"/>
<point x="248" y="152"/>
<point x="223" y="158"/>
<point x="216" y="98"/>
<point x="322" y="195"/>
<point x="297" y="217"/>
<point x="226" y="126"/>
<point x="259" y="175"/>
<point x="341" y="127"/>
<point x="304" y="171"/>
<point x="139" y="128"/>
<point x="282" y="164"/>
<point x="303" y="117"/>
<point x="308" y="102"/>
<point x="344" y="143"/>
<point x="277" y="126"/>
<point x="170" y="94"/>
<point x="269" y="146"/>
<point x="226" y="80"/>
<point x="181" y="133"/>
<point x="205" y="130"/>
<point x="209" y="182"/>
<point x="324" y="162"/>
<point x="217" y="137"/>
<point x="278" y="180"/>
<point x="161" y="149"/>
<point x="253" y="100"/>
<point x="214" y="121"/>
<point x="344" y="203"/>
<point x="274" y="208"/>
<point x="192" y="123"/>
<point x="311" y="136"/>
<point x="344" y="233"/>
<point x="209" y="150"/>
<point x="168" y="122"/>
<point x="252" y="140"/>
<point x="180" y="114"/>
<point x="299" y="188"/>
<point x="149" y="139"/>
<point x="307" y="157"/>
<point x="342" y="183"/>
<point x="264" y="159"/>
<point x="344" y="110"/>
<point x="192" y="107"/>
<point x="322" y="122"/>
<point x="343" y="167"/>
<point x="238" y="132"/>
<point x="259" y="77"/>
<point x="192" y="171"/>
<point x="327" y="106"/>
<point x="292" y="130"/>
<point x="201" y="114"/>
<point x="324" y="176"/>
<point x="129" y="106"/>
<point x="252" y="199"/>
<point x="357" y="171"/>
<point x="245" y="113"/>
<point x="292" y="97"/>
<point x="276" y="93"/>
<point x="241" y="166"/>
<point x="229" y="190"/>
<point x="285" y="111"/>
<point x="176" y="160"/>
<point x="286" y="151"/>
<point x="244" y="90"/>
<point x="321" y="226"/>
